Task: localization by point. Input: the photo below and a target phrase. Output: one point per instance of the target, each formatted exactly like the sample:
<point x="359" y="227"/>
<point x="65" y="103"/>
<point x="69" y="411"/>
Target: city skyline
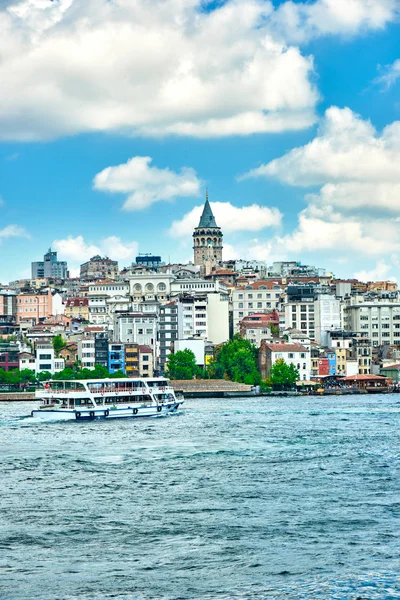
<point x="287" y="112"/>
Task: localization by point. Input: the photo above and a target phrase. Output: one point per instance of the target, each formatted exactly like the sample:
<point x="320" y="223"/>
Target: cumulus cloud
<point x="323" y="229"/>
<point x="75" y="250"/>
<point x="149" y="67"/>
<point x="390" y="74"/>
<point x="13" y="231"/>
<point x="302" y="21"/>
<point x="356" y="166"/>
<point x="230" y="218"/>
<point x="145" y="184"/>
<point x="347" y="148"/>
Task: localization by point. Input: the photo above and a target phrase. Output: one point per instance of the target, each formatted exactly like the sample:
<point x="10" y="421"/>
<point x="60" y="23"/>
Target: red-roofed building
<point x="257" y="297"/>
<point x="295" y="354"/>
<point x="259" y="326"/>
<point x="77" y="308"/>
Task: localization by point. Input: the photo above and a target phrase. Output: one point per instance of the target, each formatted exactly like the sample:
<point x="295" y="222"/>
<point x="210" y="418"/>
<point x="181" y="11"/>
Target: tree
<point x="58" y="344"/>
<point x="182" y="365"/>
<point x="282" y="375"/>
<point x="236" y="360"/>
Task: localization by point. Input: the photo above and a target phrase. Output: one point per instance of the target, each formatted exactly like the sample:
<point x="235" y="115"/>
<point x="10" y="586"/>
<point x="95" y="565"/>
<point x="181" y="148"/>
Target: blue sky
<point x="115" y="117"/>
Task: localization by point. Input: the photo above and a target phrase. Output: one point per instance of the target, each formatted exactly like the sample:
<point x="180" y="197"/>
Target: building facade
<point x="99" y="268"/>
<point x="257" y="297"/>
<point x="168" y="333"/>
<point x="49" y="267"/>
<point x="295" y="354"/>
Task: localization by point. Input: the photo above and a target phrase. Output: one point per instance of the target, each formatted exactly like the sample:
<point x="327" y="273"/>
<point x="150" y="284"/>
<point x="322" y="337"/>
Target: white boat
<point x="106" y="399"/>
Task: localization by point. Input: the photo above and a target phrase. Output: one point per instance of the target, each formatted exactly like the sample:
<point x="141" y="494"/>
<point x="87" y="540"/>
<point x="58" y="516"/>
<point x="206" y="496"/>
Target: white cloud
<point x="301" y="21"/>
<point x="379" y="273"/>
<point x="11" y="231"/>
<point x="390" y="74"/>
<point x="75" y="250"/>
<point x="2" y="203"/>
<point x="356" y="195"/>
<point x="145" y="184"/>
<point x="149" y="67"/>
<point x="345" y="149"/>
<point x="230" y="218"/>
<point x="322" y="229"/>
<point x="356" y="166"/>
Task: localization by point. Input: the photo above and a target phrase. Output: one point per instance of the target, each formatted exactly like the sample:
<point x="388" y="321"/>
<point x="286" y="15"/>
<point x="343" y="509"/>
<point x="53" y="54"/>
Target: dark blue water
<point x="233" y="499"/>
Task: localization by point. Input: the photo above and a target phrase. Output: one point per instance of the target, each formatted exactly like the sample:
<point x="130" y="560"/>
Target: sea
<point x="232" y="499"/>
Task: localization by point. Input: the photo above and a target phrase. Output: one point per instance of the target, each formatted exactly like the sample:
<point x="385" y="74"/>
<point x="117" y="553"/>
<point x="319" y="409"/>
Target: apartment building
<point x="379" y="321"/>
<point x="295" y="354"/>
<point x="99" y="268"/>
<point x="168" y="325"/>
<point x="260" y="296"/>
<point x="35" y="306"/>
<point x="87" y="353"/>
<point x="259" y="326"/>
<point x="204" y="316"/>
<point x="140" y="328"/>
<point x="77" y="308"/>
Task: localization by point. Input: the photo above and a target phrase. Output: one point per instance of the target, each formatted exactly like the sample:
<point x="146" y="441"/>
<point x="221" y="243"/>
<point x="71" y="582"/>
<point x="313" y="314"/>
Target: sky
<point x="117" y="115"/>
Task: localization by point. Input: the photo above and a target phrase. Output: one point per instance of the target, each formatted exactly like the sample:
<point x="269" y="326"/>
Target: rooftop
<point x="207" y="218"/>
<point x="282" y="347"/>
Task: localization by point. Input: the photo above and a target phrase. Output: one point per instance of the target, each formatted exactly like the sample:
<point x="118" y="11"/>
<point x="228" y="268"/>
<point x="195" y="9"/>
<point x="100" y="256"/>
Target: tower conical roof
<point x="207" y="219"/>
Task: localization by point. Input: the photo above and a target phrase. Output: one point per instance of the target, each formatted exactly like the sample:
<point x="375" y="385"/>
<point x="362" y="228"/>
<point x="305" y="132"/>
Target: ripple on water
<point x="291" y="498"/>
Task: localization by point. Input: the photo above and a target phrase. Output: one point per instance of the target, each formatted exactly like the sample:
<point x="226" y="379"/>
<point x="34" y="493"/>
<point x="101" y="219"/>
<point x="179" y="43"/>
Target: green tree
<point x="282" y="375"/>
<point x="58" y="344"/>
<point x="236" y="360"/>
<point x="182" y="365"/>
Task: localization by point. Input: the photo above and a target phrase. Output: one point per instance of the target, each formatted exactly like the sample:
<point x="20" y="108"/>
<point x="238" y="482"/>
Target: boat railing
<point x="103" y="391"/>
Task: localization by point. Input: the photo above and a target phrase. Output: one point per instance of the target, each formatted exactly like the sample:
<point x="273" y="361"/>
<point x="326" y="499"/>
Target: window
<point x="250" y="305"/>
<point x="240" y="304"/>
<point x="140" y="331"/>
<point x="302" y="355"/>
<point x="259" y="304"/>
<point x="290" y="354"/>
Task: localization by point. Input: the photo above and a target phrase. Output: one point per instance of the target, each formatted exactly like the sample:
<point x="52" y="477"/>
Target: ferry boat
<point x="106" y="399"/>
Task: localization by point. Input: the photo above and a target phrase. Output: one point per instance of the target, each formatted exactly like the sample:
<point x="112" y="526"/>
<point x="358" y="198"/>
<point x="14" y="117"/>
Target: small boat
<point x="106" y="399"/>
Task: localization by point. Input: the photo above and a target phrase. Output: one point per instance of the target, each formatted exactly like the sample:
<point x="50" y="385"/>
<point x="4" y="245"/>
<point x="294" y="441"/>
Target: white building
<point x="327" y="317"/>
<point x="196" y="346"/>
<point x="204" y="316"/>
<point x="295" y="354"/>
<point x="301" y="315"/>
<point x="139" y="328"/>
<point x="87" y="353"/>
<point x="43" y="360"/>
<point x="150" y="287"/>
<point x="379" y="321"/>
<point x="105" y="298"/>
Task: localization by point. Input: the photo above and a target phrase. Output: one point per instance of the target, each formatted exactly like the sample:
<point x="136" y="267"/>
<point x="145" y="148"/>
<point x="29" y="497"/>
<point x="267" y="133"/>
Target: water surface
<point x="290" y="498"/>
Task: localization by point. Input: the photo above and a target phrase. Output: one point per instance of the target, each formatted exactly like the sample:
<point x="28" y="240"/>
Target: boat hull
<point x="118" y="412"/>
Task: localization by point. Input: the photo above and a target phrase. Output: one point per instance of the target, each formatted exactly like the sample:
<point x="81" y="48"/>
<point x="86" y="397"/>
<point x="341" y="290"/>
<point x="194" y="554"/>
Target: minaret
<point x="207" y="238"/>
